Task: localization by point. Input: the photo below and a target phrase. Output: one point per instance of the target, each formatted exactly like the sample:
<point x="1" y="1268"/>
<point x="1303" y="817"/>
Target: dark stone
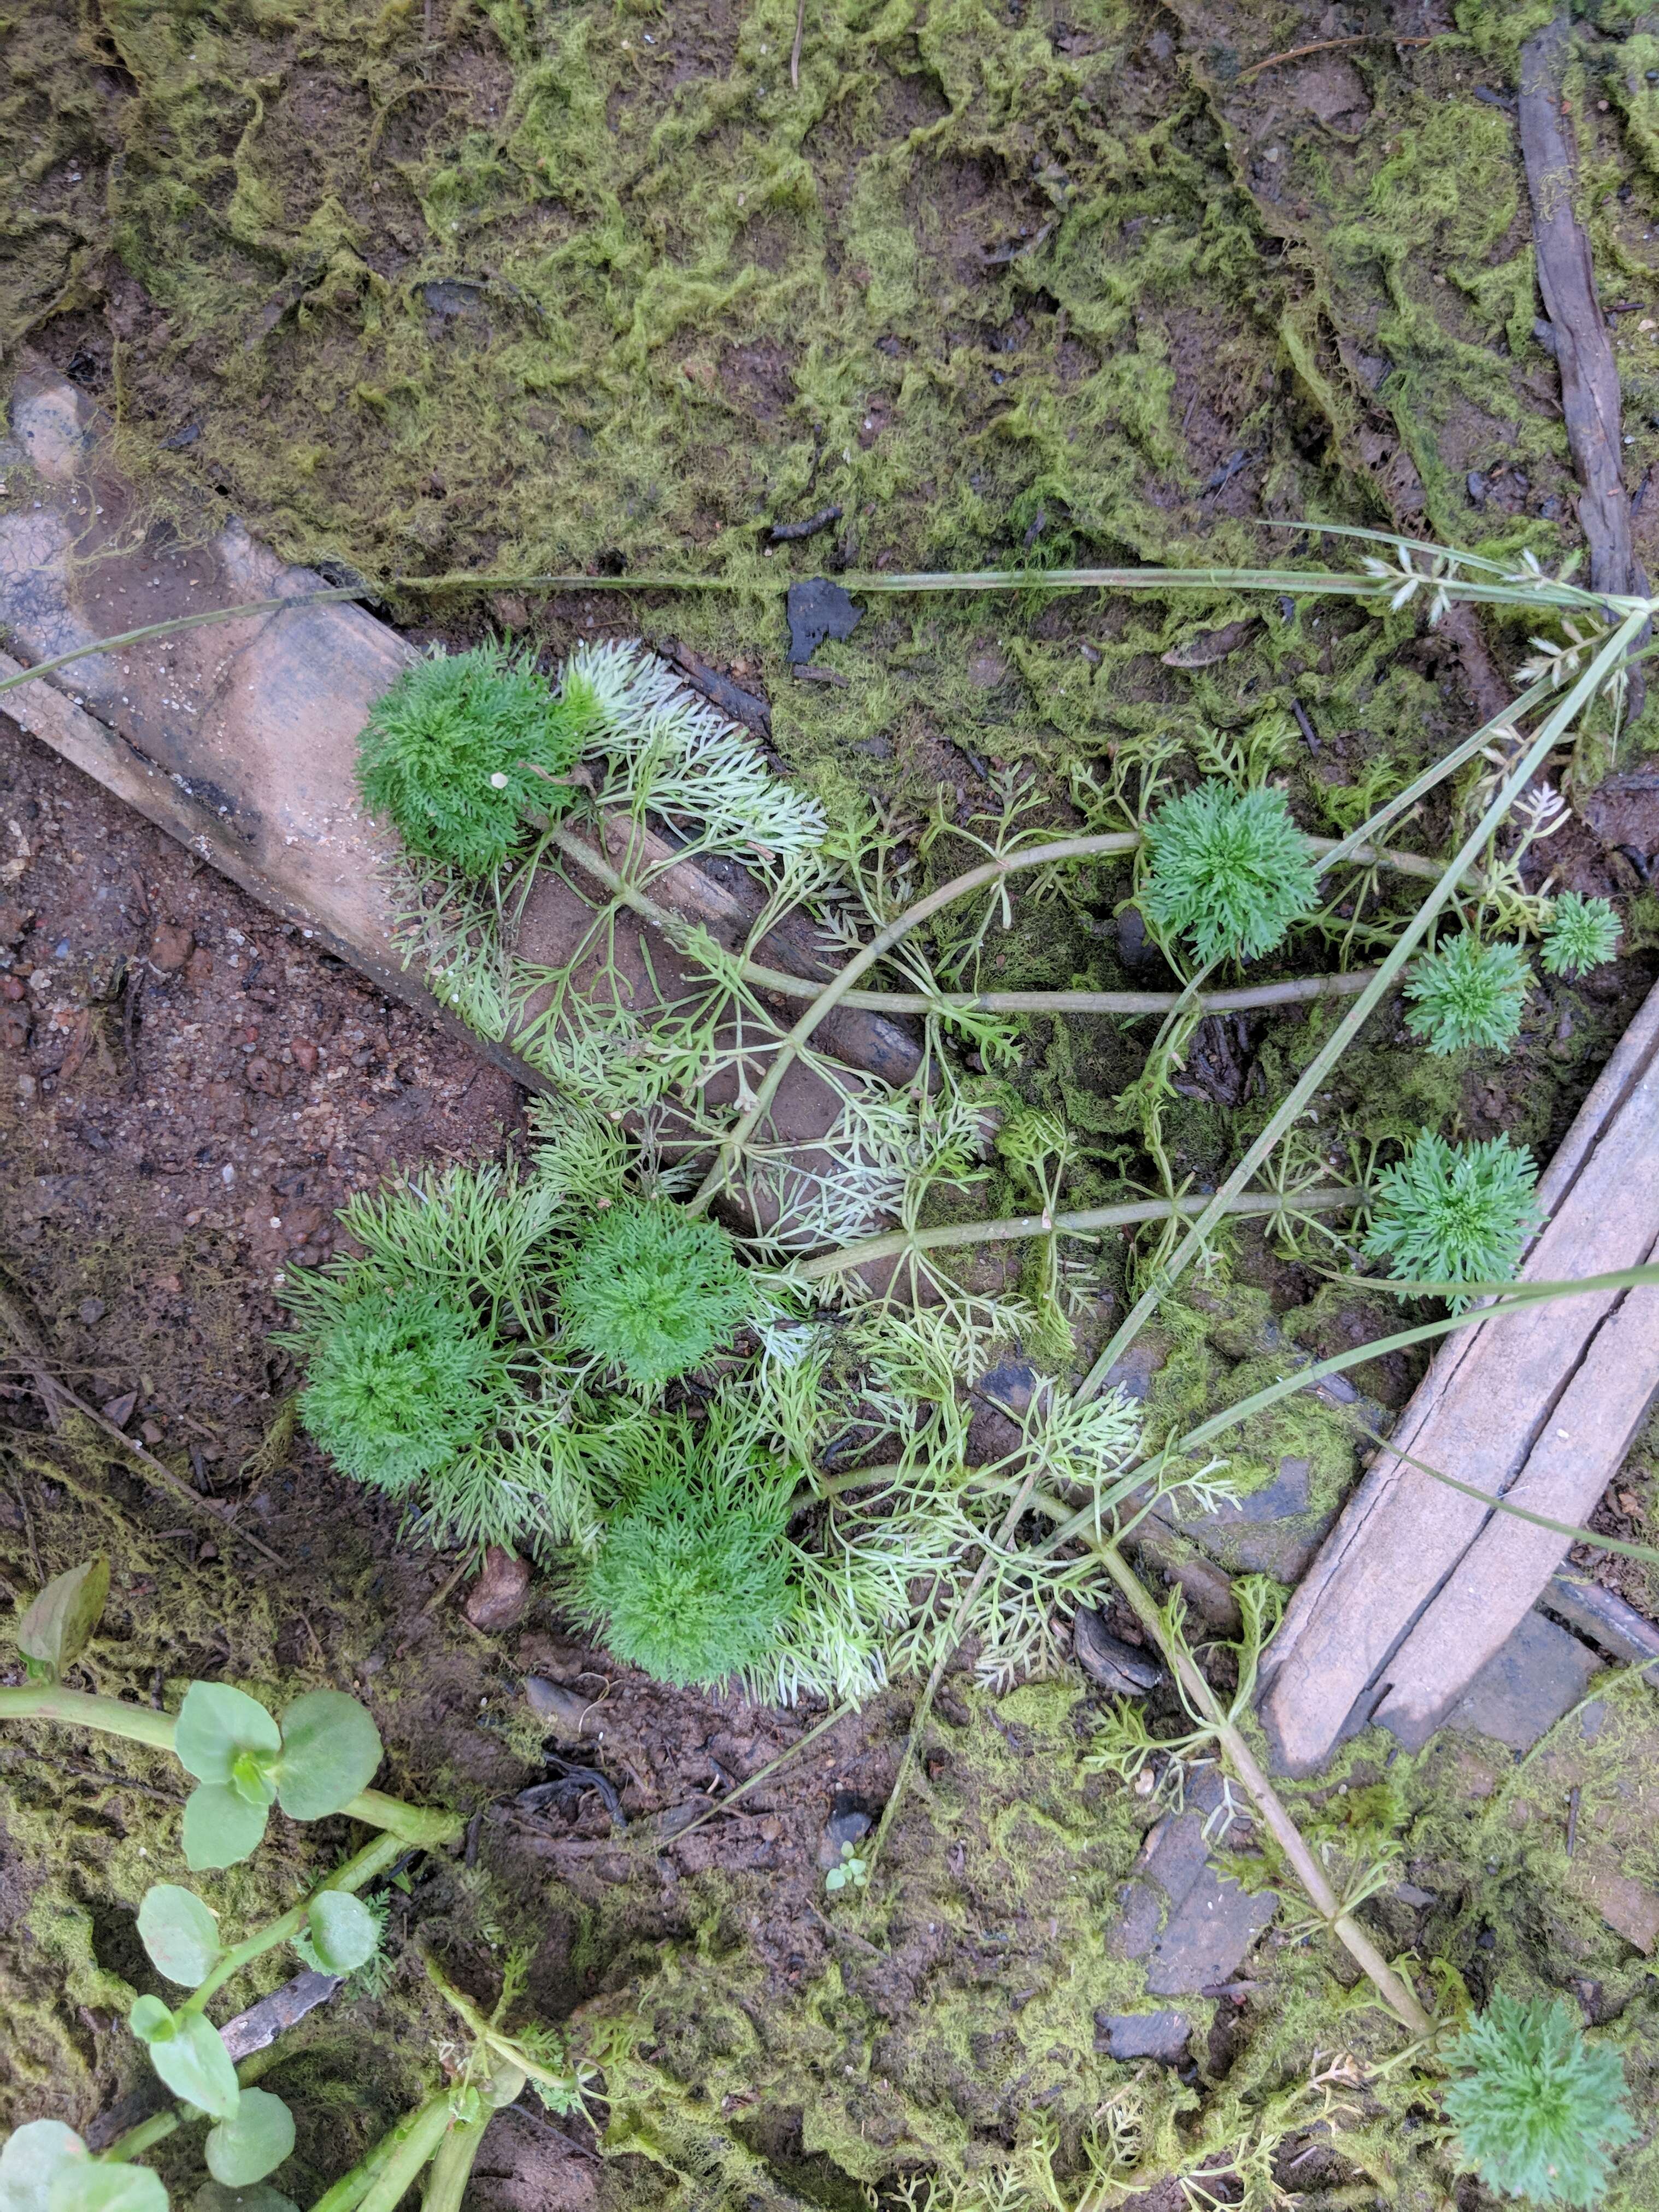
<point x="1521" y="1692"/>
<point x="1116" y="1666"/>
<point x="1159" y="2035"/>
<point x="1191" y="1925"/>
<point x="817" y="610"/>
<point x="850" y="1820"/>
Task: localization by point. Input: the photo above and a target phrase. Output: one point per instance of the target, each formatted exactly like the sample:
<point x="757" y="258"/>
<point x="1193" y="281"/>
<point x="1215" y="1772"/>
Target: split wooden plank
<point x="1418" y="1586"/>
<point x="240" y="738"/>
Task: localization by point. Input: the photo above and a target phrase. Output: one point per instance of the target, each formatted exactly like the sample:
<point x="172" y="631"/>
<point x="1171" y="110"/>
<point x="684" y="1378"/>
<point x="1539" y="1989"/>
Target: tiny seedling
<point x="1229" y="870"/>
<point x="1466" y="993"/>
<point x="1581" y="933"/>
<point x="461" y="745"/>
<point x="1538" y="2110"/>
<point x="650" y="1293"/>
<point x="851" y="1872"/>
<point x="1450" y="1213"/>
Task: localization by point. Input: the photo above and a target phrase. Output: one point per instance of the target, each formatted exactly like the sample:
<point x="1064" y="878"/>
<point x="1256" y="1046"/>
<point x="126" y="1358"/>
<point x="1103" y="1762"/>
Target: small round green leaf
<point x="94" y="2188"/>
<point x="330" y="1750"/>
<point x="215" y="1723"/>
<point x="214" y="2197"/>
<point x="150" y="2020"/>
<point x="178" y="1932"/>
<point x="196" y="2066"/>
<point x="31" y="2158"/>
<point x="57" y="1626"/>
<point x="343" y="1931"/>
<point x="252" y="2144"/>
<point x="221" y="1826"/>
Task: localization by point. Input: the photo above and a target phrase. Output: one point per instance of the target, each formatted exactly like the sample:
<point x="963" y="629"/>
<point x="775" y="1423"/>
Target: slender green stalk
<point x="1573" y="1534"/>
<point x="372" y="1860"/>
<point x="452" y="2169"/>
<point x="1521" y="1298"/>
<point x="377" y="2182"/>
<point x="1087" y="1222"/>
<point x="987" y="873"/>
<point x="148" y="2133"/>
<point x="1319" y="1068"/>
<point x="412" y="1824"/>
<point x="333" y="595"/>
<point x="51" y="1701"/>
<point x="351" y="2189"/>
<point x="486" y="2031"/>
<point x="1296" y="582"/>
<point x="1304" y="1862"/>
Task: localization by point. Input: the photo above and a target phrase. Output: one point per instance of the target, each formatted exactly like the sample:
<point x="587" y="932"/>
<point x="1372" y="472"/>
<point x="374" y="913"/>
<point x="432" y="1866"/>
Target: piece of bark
<point x="498" y="1598"/>
<point x="1416" y="1585"/>
<point x="1582" y="348"/>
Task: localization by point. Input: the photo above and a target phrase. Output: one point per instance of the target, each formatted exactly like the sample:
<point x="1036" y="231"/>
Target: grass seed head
<point x="652" y="1292"/>
<point x="1539" y="2112"/>
<point x="1229" y="870"/>
<point x="1467" y="993"/>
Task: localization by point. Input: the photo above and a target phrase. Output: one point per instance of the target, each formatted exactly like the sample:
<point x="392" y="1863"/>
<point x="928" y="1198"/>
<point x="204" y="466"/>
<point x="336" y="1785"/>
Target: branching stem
<point x="1304" y="1864"/>
<point x="1089" y="1221"/>
<point x="418" y="1825"/>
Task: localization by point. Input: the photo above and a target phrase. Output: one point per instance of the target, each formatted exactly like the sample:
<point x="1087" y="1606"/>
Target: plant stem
<point x="452" y="2169"/>
<point x="372" y="1860"/>
<point x="1401" y="2000"/>
<point x="51" y="1701"/>
<point x="1318" y="1069"/>
<point x="418" y="1825"/>
<point x="1338" y="583"/>
<point x="1295" y="990"/>
<point x="988" y="872"/>
<point x="157" y="2129"/>
<point x="900" y="1242"/>
<point x="334" y="594"/>
<point x="376" y="2183"/>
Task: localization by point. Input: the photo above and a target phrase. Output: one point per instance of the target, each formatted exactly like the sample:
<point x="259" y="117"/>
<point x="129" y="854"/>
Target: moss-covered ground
<point x="515" y="287"/>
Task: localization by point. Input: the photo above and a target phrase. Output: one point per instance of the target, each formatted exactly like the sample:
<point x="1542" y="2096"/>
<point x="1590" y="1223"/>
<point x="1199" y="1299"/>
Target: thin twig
<point x="820" y="1728"/>
<point x="1329" y="45"/>
<point x="447" y="1584"/>
<point x="185" y="621"/>
<point x="1011" y="1228"/>
<point x="794" y="51"/>
<point x="209" y="1508"/>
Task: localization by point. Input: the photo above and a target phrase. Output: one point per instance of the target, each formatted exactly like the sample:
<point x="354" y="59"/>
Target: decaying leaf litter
<point x="1233" y="310"/>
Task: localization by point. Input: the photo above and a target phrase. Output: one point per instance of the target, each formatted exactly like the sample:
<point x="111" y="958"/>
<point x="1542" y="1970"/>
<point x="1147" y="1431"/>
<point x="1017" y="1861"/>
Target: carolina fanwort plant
<point x="1229" y="870"/>
<point x="649" y="1293"/>
<point x="1446" y="1213"/>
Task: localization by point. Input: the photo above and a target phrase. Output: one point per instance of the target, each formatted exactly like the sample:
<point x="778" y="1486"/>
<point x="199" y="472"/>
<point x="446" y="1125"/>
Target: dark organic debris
<point x="1115" y="1666"/>
<point x="789" y="534"/>
<point x="1210" y="645"/>
<point x="818" y="609"/>
<point x="719" y="691"/>
<point x="850" y="1820"/>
